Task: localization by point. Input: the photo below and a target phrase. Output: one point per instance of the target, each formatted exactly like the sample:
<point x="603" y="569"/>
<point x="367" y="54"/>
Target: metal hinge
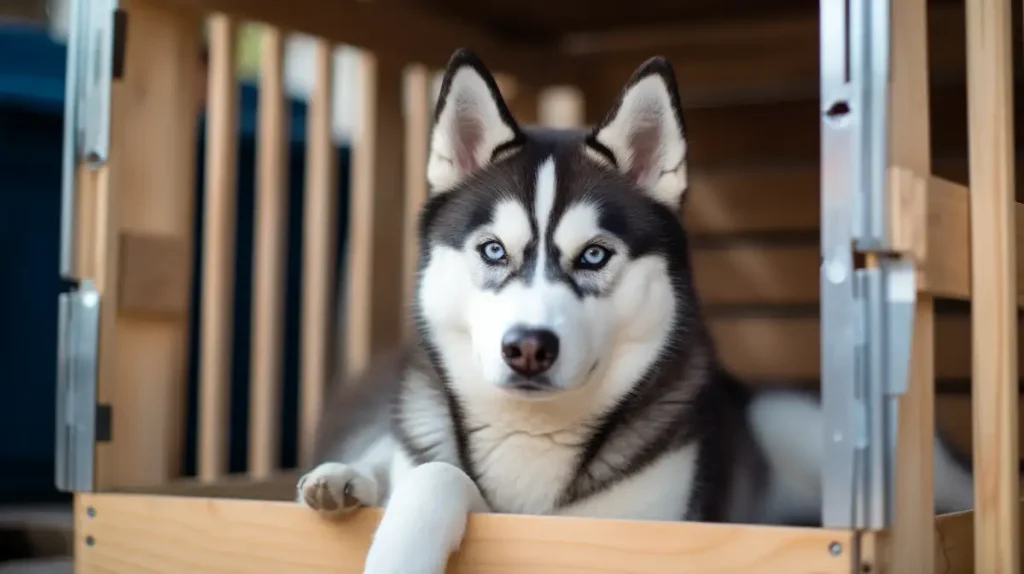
<point x="885" y="298"/>
<point x="97" y="32"/>
<point x="77" y="370"/>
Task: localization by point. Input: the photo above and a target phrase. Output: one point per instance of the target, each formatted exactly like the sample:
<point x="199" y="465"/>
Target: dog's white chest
<point x="522" y="473"/>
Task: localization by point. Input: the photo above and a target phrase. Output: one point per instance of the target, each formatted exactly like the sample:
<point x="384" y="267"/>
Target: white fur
<point x="788" y="426"/>
<point x="646" y="113"/>
<point x="468" y="109"/>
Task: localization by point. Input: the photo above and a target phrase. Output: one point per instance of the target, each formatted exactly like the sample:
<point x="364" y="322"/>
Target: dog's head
<point x="553" y="260"/>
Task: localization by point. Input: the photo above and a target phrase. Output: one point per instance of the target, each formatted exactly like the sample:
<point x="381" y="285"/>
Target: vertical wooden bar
<point x="417" y="144"/>
<point x="144" y="197"/>
<point x="561" y="107"/>
<point x="373" y="297"/>
<point x="269" y="259"/>
<point x="994" y="283"/>
<point x="319" y="245"/>
<point x="218" y="250"/>
<point x="909" y="147"/>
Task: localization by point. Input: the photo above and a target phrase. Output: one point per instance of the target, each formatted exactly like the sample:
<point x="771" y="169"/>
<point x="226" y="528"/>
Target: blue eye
<point x="492" y="252"/>
<point x="594" y="257"/>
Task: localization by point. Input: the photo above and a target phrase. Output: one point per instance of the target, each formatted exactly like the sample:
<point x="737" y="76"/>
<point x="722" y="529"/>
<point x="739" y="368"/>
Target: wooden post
<point x="134" y="239"/>
<point x="994" y="284"/>
<point x="319" y="246"/>
<point x="909" y="147"/>
<point x="417" y="146"/>
<point x="373" y="307"/>
<point x="561" y="107"/>
<point x="269" y="260"/>
<point x="218" y="296"/>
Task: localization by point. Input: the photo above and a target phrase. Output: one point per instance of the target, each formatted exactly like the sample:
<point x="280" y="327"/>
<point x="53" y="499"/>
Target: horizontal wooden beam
<point x="787" y="349"/>
<point x="946" y="270"/>
<point x="954" y="549"/>
<point x="277" y="486"/>
<point x="396" y="30"/>
<point x="134" y="533"/>
<point x="739" y="60"/>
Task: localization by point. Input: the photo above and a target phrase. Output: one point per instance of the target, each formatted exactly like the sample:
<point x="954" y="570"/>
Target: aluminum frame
<point x="867" y="313"/>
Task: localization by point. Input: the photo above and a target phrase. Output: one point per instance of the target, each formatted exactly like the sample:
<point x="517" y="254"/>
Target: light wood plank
<point x="399" y="31"/>
<point x="994" y="281"/>
<point x="319" y="249"/>
<point x="910" y="147"/>
<point x="270" y="245"/>
<point x="147" y="189"/>
<point x="418" y="119"/>
<point x="786" y="350"/>
<point x="741" y="59"/>
<point x="749" y="274"/>
<point x="218" y="283"/>
<point x="956" y="552"/>
<point x="245" y="536"/>
<point x="373" y="310"/>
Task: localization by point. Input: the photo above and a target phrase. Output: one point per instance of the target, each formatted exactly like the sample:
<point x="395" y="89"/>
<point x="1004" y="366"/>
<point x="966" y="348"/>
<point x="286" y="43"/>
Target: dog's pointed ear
<point x="644" y="135"/>
<point x="472" y="123"/>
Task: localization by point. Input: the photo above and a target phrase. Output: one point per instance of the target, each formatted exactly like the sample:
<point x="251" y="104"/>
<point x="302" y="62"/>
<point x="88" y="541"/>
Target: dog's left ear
<point x="472" y="123"/>
<point x="644" y="136"/>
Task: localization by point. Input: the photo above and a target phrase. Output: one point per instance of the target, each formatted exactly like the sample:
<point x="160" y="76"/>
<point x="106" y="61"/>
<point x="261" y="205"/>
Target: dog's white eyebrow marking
<point x="543" y="202"/>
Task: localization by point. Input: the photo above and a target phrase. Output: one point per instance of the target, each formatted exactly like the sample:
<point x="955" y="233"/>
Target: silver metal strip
<point x="870" y="41"/>
<point x="71" y="140"/>
<point x="87" y="78"/>
<point x="99" y="58"/>
<point x="841" y="116"/>
<point x="77" y="371"/>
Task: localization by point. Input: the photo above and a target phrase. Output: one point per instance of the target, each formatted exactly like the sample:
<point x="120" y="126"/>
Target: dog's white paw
<point x="334" y="488"/>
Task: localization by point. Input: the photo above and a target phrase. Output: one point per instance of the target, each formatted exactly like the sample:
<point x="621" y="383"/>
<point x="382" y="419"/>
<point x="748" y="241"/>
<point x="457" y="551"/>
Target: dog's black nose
<point x="529" y="352"/>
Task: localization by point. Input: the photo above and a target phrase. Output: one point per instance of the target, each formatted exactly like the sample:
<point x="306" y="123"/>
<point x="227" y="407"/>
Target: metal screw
<point x="91" y="512"/>
<point x="90" y="541"/>
<point x="835" y="549"/>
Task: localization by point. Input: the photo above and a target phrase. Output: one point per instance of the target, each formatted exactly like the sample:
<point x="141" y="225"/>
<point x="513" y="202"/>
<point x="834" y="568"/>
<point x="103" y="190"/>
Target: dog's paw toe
<point x="334" y="488"/>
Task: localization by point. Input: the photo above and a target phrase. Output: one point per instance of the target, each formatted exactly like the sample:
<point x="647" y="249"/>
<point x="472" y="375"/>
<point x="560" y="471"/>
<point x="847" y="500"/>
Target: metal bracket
<point x="77" y="369"/>
<point x="93" y="31"/>
<point x="866" y="314"/>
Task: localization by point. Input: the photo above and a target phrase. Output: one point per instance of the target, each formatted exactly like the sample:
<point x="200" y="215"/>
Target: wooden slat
<point x="278" y="486"/>
<point x="753" y="200"/>
<point x="417" y="147"/>
<point x="749" y="274"/>
<point x="953" y="418"/>
<point x="395" y="30"/>
<point x="955" y="539"/>
<point x="909" y="146"/>
<point x="777" y="198"/>
<point x="994" y="279"/>
<point x="319" y="248"/>
<point x="561" y="107"/>
<point x="221" y="536"/>
<point x="373" y="308"/>
<point x="269" y="260"/>
<point x="147" y="189"/>
<point x="788" y="349"/>
<point x="215" y="330"/>
<point x="788" y="131"/>
<point x="762" y="58"/>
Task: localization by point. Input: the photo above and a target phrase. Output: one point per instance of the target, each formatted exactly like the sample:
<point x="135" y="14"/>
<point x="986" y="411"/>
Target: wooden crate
<point x="749" y="73"/>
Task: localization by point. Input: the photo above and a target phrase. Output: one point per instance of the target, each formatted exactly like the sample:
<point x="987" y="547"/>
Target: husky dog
<point x="562" y="364"/>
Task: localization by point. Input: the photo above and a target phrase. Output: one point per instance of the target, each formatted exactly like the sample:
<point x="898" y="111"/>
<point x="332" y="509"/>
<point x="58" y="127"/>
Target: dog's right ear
<point x="472" y="123"/>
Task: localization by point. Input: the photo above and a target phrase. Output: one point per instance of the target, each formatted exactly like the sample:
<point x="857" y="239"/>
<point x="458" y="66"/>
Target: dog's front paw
<point x="333" y="489"/>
